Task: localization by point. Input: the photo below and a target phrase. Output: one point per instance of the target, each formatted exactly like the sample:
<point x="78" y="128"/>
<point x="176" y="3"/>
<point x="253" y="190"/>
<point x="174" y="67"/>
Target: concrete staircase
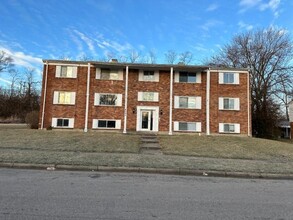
<point x="149" y="144"/>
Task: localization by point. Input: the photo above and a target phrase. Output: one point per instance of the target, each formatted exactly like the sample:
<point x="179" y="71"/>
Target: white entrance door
<point x="146" y="120"/>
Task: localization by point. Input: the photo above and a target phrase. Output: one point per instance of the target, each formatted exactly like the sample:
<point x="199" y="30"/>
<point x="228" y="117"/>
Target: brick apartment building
<point x="145" y="97"/>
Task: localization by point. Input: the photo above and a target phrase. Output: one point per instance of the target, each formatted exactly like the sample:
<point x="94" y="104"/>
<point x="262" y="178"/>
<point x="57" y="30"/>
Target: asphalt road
<point x="35" y="194"/>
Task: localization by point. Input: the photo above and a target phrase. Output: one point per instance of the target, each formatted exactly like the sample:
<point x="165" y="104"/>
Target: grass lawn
<point x="233" y="147"/>
<point x="96" y="148"/>
<point x="20" y="138"/>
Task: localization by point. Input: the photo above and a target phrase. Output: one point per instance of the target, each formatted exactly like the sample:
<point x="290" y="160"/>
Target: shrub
<point x="32" y="119"/>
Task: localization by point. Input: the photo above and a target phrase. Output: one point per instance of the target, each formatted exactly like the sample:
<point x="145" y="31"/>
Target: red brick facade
<point x="160" y="109"/>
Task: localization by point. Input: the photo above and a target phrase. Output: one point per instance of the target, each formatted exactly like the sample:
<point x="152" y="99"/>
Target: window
<point x="109" y="74"/>
<point x="148" y="75"/>
<point x="187" y="77"/>
<point x="229" y="103"/>
<point x="228" y="78"/>
<point x="66" y="71"/>
<point x="148" y="96"/>
<point x="192" y="102"/>
<point x="229" y="128"/>
<point x="64" y="98"/>
<point x="187" y="126"/>
<point x="108" y="99"/>
<point x="63" y="122"/>
<point x="107" y="123"/>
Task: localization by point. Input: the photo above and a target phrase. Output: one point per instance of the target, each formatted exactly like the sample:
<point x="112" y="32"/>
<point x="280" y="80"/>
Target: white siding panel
<point x="54" y="122"/>
<point x="118" y="124"/>
<point x="120" y="75"/>
<point x="198" y="127"/>
<point x="237" y="128"/>
<point x="95" y="123"/>
<point x="157" y="76"/>
<point x="198" y="102"/>
<point x="221" y="127"/>
<point x="198" y="77"/>
<point x="140" y="75"/>
<point x="176" y="76"/>
<point x="55" y="97"/>
<point x="221" y="78"/>
<point x="71" y="123"/>
<point x="236" y="104"/>
<point x="98" y="73"/>
<point x="236" y="78"/>
<point x="140" y="96"/>
<point x="74" y="72"/>
<point x="176" y="126"/>
<point x="221" y="103"/>
<point x="72" y="98"/>
<point x="176" y="101"/>
<point x="97" y="99"/>
<point x="119" y="100"/>
<point x="156" y="96"/>
<point x="58" y="71"/>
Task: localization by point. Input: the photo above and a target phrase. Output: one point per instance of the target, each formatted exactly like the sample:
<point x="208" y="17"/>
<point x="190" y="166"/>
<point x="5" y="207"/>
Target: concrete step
<point x="154" y="146"/>
<point x="148" y="140"/>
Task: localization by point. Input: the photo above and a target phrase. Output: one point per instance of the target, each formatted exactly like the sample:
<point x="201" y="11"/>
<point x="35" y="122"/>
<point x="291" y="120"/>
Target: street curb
<point x="178" y="171"/>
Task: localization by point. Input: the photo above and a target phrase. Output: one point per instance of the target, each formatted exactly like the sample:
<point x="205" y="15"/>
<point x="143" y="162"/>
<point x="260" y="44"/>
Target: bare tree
<point x="152" y="57"/>
<point x="171" y="56"/>
<point x="267" y="53"/>
<point x="6" y="62"/>
<point x="185" y="57"/>
<point x="84" y="57"/>
<point x="134" y="56"/>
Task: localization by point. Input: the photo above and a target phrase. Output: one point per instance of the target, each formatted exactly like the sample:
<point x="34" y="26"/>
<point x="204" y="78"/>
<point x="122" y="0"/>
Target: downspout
<point x="248" y="105"/>
<point x="87" y="97"/>
<point x="171" y="101"/>
<point x="44" y="98"/>
<point x="125" y="101"/>
<point x="208" y="102"/>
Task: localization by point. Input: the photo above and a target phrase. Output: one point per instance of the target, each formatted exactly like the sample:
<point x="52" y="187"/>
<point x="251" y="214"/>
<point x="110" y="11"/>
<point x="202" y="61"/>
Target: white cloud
<point x="23" y="59"/>
<point x="261" y="5"/>
<point x="5" y="81"/>
<point x="87" y="40"/>
<point x="210" y="23"/>
<point x="212" y="7"/>
<point x="243" y="25"/>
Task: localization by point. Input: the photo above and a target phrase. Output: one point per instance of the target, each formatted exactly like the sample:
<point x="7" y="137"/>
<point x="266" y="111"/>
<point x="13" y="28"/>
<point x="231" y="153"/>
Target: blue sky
<point x="32" y="30"/>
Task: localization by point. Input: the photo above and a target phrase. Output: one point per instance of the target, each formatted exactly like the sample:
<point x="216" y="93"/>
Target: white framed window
<point x="229" y="128"/>
<point x="229" y="103"/>
<point x="63" y="122"/>
<point x="187" y="77"/>
<point x="148" y="76"/>
<point x="187" y="126"/>
<point x="64" y="98"/>
<point x="228" y="78"/>
<point x="108" y="99"/>
<point x="148" y="96"/>
<point x="106" y="123"/>
<point x="109" y="74"/>
<point x="66" y="72"/>
<point x="191" y="102"/>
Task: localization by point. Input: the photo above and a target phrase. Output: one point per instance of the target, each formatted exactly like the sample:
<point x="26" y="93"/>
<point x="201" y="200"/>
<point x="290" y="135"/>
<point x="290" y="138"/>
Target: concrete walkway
<point x="149" y="144"/>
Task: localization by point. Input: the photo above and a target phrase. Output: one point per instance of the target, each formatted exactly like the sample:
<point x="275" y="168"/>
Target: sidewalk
<point x="126" y="162"/>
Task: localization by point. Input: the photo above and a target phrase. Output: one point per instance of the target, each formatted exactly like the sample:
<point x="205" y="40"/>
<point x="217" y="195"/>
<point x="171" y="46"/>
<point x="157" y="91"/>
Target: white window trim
<point x="56" y="98"/>
<point x="58" y="72"/>
<point x="99" y="70"/>
<point x="236" y="78"/>
<point x="236" y="126"/>
<point x="236" y="104"/>
<point x="97" y="99"/>
<point x="117" y="125"/>
<point x="141" y="94"/>
<point x="197" y="126"/>
<point x="197" y="102"/>
<point x="156" y="76"/>
<point x="198" y="78"/>
<point x="70" y="125"/>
